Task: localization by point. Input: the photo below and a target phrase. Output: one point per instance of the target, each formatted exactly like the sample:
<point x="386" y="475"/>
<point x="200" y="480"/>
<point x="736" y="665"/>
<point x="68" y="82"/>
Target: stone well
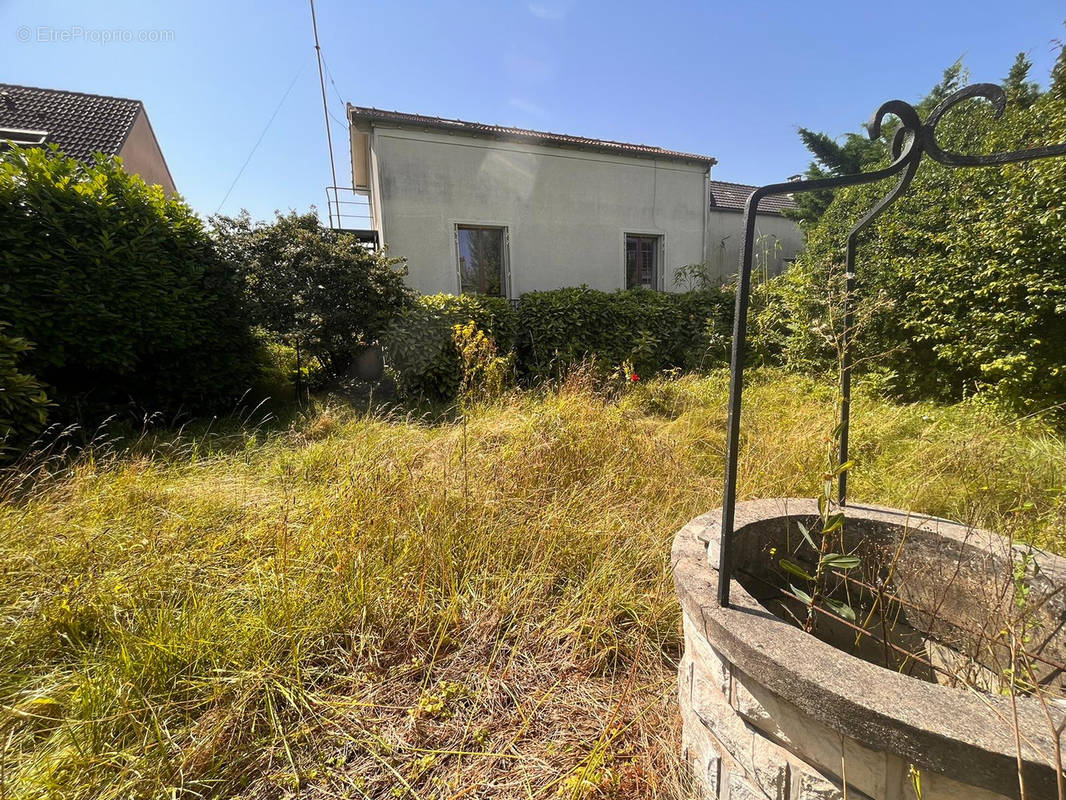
<point x="770" y="711"/>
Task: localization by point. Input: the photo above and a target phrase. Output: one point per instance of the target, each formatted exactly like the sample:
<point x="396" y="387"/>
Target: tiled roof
<point x="362" y="113"/>
<point x="81" y="124"/>
<point x="734" y="195"/>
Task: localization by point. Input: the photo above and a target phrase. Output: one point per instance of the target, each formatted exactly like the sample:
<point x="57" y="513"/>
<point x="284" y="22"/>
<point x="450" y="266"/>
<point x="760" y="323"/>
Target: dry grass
<point x="369" y="606"/>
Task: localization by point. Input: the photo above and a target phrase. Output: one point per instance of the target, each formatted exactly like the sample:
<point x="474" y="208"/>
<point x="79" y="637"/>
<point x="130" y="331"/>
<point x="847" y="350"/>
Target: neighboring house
<point x="504" y="211"/>
<point x="778" y="239"/>
<point x="81" y="125"/>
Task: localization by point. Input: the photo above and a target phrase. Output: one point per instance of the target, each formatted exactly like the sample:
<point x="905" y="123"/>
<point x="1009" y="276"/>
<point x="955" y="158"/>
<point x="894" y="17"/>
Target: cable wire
<point x="259" y="141"/>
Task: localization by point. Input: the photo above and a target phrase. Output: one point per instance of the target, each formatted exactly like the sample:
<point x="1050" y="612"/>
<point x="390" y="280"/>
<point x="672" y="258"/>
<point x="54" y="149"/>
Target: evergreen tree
<point x="858" y="151"/>
<point x="1020" y="90"/>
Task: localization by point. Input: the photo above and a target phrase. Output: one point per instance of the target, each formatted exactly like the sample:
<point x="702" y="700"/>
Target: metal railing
<point x="347" y="209"/>
<point x="912" y="140"/>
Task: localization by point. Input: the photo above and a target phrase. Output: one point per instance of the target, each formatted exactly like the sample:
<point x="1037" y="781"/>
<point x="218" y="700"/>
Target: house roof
<point x="733" y="196"/>
<point x="80" y="124"/>
<point x="362" y="113"/>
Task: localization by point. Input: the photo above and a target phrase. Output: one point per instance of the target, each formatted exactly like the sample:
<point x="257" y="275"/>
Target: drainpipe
<point x="706" y="213"/>
<point x="377" y="210"/>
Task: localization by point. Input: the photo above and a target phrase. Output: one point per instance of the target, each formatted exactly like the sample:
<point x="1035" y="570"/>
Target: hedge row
<point x="553" y="330"/>
<point x="651" y="330"/>
<point x="420" y="347"/>
<point x="116" y="289"/>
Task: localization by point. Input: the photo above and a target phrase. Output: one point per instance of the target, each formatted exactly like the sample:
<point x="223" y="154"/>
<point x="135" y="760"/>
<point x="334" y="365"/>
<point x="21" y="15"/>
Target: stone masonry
<point x="771" y="713"/>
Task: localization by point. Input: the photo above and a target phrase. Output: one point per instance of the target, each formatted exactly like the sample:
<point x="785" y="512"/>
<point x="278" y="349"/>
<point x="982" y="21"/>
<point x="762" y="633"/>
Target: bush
<point x="651" y="330"/>
<point x="314" y="288"/>
<point x="962" y="283"/>
<point x="118" y="287"/>
<point x="421" y="348"/>
<point x="23" y="403"/>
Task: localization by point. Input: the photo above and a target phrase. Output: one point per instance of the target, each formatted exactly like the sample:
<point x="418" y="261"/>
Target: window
<point x="642" y="261"/>
<point x="481" y="260"/>
<point x="23" y="138"/>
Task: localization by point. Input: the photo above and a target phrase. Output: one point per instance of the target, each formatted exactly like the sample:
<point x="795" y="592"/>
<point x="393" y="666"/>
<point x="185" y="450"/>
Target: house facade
<point x="81" y="125"/>
<point x="505" y="211"/>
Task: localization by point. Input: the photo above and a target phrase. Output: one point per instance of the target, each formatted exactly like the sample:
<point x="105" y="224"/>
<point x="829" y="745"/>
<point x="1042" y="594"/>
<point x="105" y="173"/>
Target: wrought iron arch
<point x="912" y="140"/>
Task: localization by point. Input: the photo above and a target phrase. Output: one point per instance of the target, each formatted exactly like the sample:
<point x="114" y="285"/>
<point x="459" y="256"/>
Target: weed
<point x="193" y="617"/>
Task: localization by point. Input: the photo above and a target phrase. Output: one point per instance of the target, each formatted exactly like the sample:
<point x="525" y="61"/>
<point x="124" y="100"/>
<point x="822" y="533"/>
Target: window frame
<point x="22" y="137"/>
<point x="505" y="266"/>
<point x="660" y="256"/>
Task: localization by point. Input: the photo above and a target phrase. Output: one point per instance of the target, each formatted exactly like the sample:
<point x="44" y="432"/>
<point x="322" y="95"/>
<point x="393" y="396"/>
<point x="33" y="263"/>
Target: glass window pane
<point x="481" y="260"/>
<point x="642" y="262"/>
<point x="632" y="279"/>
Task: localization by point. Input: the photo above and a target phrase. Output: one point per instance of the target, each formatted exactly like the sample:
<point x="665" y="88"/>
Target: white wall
<point x="777" y="240"/>
<point x="566" y="210"/>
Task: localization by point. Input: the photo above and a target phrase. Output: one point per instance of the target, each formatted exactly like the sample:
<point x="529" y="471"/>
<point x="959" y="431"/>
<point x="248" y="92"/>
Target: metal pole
<point x="325" y="108"/>
<point x="912" y="139"/>
<point x="736" y="390"/>
<point x="845" y="364"/>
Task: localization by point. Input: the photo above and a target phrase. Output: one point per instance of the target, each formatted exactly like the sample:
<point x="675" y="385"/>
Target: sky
<point x="230" y="84"/>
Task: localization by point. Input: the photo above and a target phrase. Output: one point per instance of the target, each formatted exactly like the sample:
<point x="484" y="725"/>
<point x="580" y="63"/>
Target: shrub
<point x="117" y="285"/>
<point x="962" y="284"/>
<point x="651" y="330"/>
<point x="421" y="348"/>
<point x="314" y="288"/>
<point x="23" y="403"/>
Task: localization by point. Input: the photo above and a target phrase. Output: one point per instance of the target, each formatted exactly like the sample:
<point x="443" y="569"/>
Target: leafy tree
<point x="118" y="287"/>
<point x="317" y="289"/>
<point x="962" y="282"/>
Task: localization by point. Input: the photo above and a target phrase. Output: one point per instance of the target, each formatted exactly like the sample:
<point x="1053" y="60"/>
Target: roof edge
<point x="70" y="91"/>
<point x="503" y="132"/>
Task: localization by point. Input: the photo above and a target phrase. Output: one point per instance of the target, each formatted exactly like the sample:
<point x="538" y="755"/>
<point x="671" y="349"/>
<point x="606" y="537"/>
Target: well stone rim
<point x="949" y="730"/>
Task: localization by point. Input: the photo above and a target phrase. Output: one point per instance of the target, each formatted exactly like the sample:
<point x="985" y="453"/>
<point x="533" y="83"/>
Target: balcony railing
<point x="349" y="211"/>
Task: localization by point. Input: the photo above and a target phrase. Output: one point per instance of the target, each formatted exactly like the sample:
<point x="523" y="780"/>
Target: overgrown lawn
<point x="374" y="606"/>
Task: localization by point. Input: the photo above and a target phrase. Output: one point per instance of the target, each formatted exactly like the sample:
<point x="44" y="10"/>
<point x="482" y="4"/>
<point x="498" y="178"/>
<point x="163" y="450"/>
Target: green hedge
<point x="23" y="403"/>
<point x="961" y="282"/>
<point x="651" y="330"/>
<point x="420" y="349"/>
<point x="551" y="331"/>
<point x="118" y="287"/>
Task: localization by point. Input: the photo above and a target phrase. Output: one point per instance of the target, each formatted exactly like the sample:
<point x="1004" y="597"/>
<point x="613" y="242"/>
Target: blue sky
<point x="732" y="80"/>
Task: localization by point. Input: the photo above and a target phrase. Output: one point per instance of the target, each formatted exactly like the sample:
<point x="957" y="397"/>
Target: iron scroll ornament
<point x="911" y="141"/>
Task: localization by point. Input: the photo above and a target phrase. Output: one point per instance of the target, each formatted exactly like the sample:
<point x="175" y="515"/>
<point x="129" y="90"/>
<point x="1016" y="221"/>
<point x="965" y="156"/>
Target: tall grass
<point x="373" y="606"/>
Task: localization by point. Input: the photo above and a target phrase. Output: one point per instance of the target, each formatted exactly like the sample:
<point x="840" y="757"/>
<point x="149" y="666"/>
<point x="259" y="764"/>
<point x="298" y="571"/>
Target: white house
<point x="505" y="211"/>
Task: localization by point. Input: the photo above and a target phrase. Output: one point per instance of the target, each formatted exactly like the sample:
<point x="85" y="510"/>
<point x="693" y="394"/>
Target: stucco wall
<point x="778" y="240"/>
<point x="566" y="210"/>
<point x="141" y="155"/>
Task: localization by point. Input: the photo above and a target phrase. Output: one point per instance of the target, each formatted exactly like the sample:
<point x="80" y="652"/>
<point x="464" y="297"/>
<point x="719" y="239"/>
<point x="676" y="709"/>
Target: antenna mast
<point x="325" y="108"/>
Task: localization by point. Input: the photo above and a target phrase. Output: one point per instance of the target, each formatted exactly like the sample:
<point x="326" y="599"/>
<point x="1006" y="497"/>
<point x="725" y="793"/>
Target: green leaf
<point x="841" y="609"/>
<point x="832" y="523"/>
<point x="844" y="467"/>
<point x="800" y="594"/>
<point x="806" y="534"/>
<point x="840" y="561"/>
<point x="791" y="566"/>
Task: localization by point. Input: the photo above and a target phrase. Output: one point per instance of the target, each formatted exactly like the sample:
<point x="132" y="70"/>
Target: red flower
<point x="634" y="377"/>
